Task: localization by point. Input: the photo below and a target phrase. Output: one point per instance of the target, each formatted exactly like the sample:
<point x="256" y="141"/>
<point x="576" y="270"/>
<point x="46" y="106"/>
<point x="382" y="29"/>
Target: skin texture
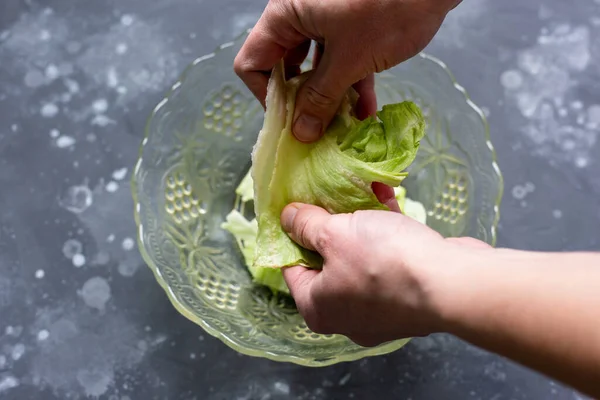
<point x="356" y="39"/>
<point x="402" y="279"/>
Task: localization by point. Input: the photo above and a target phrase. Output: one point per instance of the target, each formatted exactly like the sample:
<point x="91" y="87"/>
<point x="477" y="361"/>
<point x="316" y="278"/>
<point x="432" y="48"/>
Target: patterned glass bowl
<point x="196" y="151"/>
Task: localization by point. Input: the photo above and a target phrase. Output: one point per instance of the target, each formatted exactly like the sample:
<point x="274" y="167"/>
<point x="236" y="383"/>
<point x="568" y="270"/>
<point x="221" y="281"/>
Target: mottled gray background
<point x="80" y="314"/>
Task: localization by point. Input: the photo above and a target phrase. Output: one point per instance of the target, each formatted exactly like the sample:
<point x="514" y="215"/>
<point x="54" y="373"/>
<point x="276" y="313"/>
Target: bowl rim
<point x="228" y="340"/>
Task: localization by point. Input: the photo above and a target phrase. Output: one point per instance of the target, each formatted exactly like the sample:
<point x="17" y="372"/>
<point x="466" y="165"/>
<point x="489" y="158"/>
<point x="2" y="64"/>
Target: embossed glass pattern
<point x="196" y="151"/>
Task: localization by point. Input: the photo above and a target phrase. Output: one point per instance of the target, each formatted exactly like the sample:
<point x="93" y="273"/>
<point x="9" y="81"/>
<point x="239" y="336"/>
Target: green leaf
<point x="244" y="232"/>
<point x="335" y="173"/>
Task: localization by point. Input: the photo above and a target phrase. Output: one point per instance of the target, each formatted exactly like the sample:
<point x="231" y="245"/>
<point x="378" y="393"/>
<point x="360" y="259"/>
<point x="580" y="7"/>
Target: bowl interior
<point x="196" y="151"/>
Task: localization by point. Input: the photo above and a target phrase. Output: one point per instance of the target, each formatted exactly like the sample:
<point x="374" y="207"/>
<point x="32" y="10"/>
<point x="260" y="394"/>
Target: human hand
<point x="357" y="38"/>
<point x="381" y="270"/>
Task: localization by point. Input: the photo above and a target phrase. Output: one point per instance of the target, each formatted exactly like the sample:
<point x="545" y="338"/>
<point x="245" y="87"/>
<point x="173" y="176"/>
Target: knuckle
<point x="325" y="236"/>
<point x="318" y="97"/>
<point x="303" y="227"/>
<point x="240" y="65"/>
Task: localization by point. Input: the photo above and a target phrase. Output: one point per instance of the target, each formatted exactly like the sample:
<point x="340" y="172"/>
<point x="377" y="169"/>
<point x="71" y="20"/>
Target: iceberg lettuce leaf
<point x="335" y="173"/>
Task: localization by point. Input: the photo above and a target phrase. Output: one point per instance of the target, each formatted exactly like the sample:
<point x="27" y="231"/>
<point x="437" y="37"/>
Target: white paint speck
<point x="110" y="238"/>
<point x="128" y="243"/>
<point x="14" y="127"/>
<point x="112" y="186"/>
<point x="54" y="133"/>
<point x="45" y="35"/>
<point x="77" y="199"/>
<point x="8" y="382"/>
<point x="119" y="174"/>
<point x="193" y="356"/>
<point x="511" y="79"/>
<point x="52" y="72"/>
<point x="78" y="260"/>
<point x="100" y="106"/>
<point x="65" y="141"/>
<point x="126" y="19"/>
<point x="581" y="162"/>
<point x="577" y="105"/>
<point x="72" y="85"/>
<point x="71" y="248"/>
<point x="557" y="214"/>
<point x="96" y="293"/>
<point x="519" y="192"/>
<point x="43" y="335"/>
<point x="102" y="120"/>
<point x="18" y="351"/>
<point x="49" y="110"/>
<point x="282" y="387"/>
<point x="111" y="77"/>
<point x="529" y="187"/>
<point x="39" y="274"/>
<point x="345" y="379"/>
<point x="122" y="90"/>
<point x="121" y="48"/>
<point x="128" y="269"/>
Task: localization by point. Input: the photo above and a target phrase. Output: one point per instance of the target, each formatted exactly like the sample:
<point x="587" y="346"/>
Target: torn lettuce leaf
<point x="410" y="208"/>
<point x="246" y="188"/>
<point x="245" y="232"/>
<point x="335" y="173"/>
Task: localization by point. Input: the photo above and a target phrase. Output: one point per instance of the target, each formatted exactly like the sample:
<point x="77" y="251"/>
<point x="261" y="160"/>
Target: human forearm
<point x="539" y="309"/>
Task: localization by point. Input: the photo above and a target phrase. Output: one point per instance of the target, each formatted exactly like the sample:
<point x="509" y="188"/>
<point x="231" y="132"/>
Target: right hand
<point x="382" y="276"/>
<point x="358" y="37"/>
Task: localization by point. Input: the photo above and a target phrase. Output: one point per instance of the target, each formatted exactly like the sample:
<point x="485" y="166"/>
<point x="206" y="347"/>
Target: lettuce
<point x="245" y="231"/>
<point x="335" y="173"/>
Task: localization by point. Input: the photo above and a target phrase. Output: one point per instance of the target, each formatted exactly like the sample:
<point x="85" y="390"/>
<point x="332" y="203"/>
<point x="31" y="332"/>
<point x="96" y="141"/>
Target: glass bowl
<point x="196" y="151"/>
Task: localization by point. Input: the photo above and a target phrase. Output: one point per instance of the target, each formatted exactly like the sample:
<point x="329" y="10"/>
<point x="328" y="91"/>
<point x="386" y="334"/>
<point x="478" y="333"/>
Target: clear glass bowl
<point x="196" y="151"/>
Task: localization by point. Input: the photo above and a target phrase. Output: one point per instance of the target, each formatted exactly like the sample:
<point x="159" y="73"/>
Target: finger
<point x="386" y="196"/>
<point x="304" y="224"/>
<point x="299" y="280"/>
<point x="320" y="96"/>
<point x="318" y="54"/>
<point x="267" y="43"/>
<point x="294" y="58"/>
<point x="367" y="101"/>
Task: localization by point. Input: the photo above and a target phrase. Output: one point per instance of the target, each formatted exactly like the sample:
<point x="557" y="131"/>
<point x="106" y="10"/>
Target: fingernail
<point x="287" y="217"/>
<point x="307" y="128"/>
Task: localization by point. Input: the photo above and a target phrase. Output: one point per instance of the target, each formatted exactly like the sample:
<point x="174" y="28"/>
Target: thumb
<point x="304" y="223"/>
<point x="319" y="98"/>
